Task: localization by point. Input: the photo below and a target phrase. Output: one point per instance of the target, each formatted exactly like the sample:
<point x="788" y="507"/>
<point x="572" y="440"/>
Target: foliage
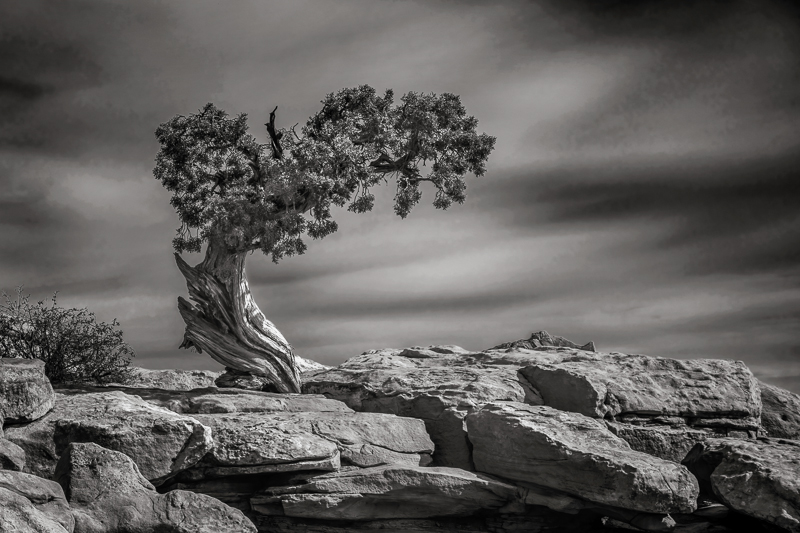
<point x="230" y="189"/>
<point x="74" y="347"/>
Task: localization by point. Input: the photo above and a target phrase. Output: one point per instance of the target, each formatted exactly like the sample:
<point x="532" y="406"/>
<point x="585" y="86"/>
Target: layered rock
<point x="213" y="400"/>
<point x="757" y="478"/>
<point x="25" y="392"/>
<point x="40" y="500"/>
<point x="670" y="442"/>
<point x="601" y="385"/>
<point x="575" y="454"/>
<point x="387" y="492"/>
<point x="437" y="384"/>
<point x="170" y="379"/>
<point x="780" y="416"/>
<point x="108" y="494"/>
<point x="160" y="441"/>
<point x="542" y="339"/>
<point x="248" y="443"/>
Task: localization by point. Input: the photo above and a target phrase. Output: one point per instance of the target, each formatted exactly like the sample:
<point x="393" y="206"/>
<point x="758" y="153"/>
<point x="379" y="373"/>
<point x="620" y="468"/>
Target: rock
<point x="168" y="379"/>
<point x="213" y="400"/>
<point x="19" y="515"/>
<point x="12" y="457"/>
<point x="600" y="385"/>
<point x="108" y="494"/>
<point x="25" y="392"/>
<point x="542" y="339"/>
<point x="577" y="455"/>
<point x="45" y="499"/>
<point x="240" y="379"/>
<point x="757" y="478"/>
<point x="780" y="415"/>
<point x="386" y="492"/>
<point x="161" y="442"/>
<point x="436" y="384"/>
<point x="247" y="443"/>
<point x="670" y="443"/>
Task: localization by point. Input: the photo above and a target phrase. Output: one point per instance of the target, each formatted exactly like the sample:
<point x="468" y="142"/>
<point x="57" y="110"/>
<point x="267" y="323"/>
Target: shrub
<point x="75" y="348"/>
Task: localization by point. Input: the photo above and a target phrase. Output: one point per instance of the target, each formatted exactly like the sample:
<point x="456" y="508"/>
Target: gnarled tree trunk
<point x="226" y="323"/>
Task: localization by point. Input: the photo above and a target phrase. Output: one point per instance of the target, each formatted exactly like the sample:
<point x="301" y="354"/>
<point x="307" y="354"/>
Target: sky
<point x="643" y="193"/>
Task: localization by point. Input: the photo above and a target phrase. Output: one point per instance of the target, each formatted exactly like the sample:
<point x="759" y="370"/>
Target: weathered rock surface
<point x="542" y="339"/>
<point x="12" y="457"/>
<point x="248" y="443"/>
<point x="386" y="492"/>
<point x="169" y="379"/>
<point x="214" y="400"/>
<point x="25" y="392"/>
<point x="667" y="442"/>
<point x="577" y="455"/>
<point x="437" y="384"/>
<point x="108" y="494"/>
<point x="758" y="478"/>
<point x="161" y="442"/>
<point x="45" y="499"/>
<point x="780" y="416"/>
<point x="614" y="384"/>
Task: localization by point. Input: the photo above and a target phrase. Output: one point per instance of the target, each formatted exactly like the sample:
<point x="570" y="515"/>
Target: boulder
<point x="759" y="478"/>
<point x="160" y="441"/>
<point x="12" y="457"/>
<point x="25" y="392"/>
<point x="601" y="385"/>
<point x="575" y="454"/>
<point x="169" y="379"/>
<point x="248" y="443"/>
<point x="667" y="442"/>
<point x="780" y="415"/>
<point x="387" y="492"/>
<point x="42" y="499"/>
<point x="108" y="494"/>
<point x="213" y="400"/>
<point x="436" y="384"/>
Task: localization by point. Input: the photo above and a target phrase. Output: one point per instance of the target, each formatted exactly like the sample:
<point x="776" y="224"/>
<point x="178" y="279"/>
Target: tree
<point x="238" y="196"/>
<point x="75" y="347"/>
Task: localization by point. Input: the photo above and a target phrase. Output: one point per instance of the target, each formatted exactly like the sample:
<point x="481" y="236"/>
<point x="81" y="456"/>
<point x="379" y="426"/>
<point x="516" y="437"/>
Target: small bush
<point x="75" y="348"/>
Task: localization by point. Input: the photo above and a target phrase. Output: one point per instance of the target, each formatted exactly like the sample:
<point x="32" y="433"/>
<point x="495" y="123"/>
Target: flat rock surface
<point x="25" y="392"/>
<point x="780" y="416"/>
<point x="575" y="454"/>
<point x="611" y="384"/>
<point x="170" y="379"/>
<point x="670" y="443"/>
<point x="214" y="400"/>
<point x="311" y="441"/>
<point x="757" y="478"/>
<point x="108" y="494"/>
<point x="160" y="441"/>
<point x="46" y="501"/>
<point x="386" y="492"/>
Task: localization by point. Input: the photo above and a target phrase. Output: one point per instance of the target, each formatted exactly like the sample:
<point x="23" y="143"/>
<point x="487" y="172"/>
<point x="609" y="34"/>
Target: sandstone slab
<point x="780" y="416"/>
<point x="170" y="379"/>
<point x="108" y="494"/>
<point x="386" y="492"/>
<point x="214" y="400"/>
<point x="281" y="442"/>
<point x="600" y="385"/>
<point x="45" y="503"/>
<point x="12" y="457"/>
<point x="757" y="478"/>
<point x="25" y="392"/>
<point x="575" y="454"/>
<point x="161" y="442"/>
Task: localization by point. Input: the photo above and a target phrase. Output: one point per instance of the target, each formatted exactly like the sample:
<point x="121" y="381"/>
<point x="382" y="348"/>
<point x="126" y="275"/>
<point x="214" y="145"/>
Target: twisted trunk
<point x="226" y="323"/>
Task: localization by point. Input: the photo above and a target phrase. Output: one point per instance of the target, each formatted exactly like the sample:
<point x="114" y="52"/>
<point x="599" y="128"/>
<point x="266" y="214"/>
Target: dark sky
<point x="643" y="193"/>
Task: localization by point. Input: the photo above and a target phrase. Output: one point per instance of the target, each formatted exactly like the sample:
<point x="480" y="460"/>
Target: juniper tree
<point x="236" y="196"/>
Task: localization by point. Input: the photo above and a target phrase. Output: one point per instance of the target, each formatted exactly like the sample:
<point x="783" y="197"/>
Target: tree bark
<point x="226" y="323"/>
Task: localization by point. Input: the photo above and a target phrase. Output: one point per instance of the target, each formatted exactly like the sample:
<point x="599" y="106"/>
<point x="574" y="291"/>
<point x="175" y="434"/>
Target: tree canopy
<point x="231" y="189"/>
